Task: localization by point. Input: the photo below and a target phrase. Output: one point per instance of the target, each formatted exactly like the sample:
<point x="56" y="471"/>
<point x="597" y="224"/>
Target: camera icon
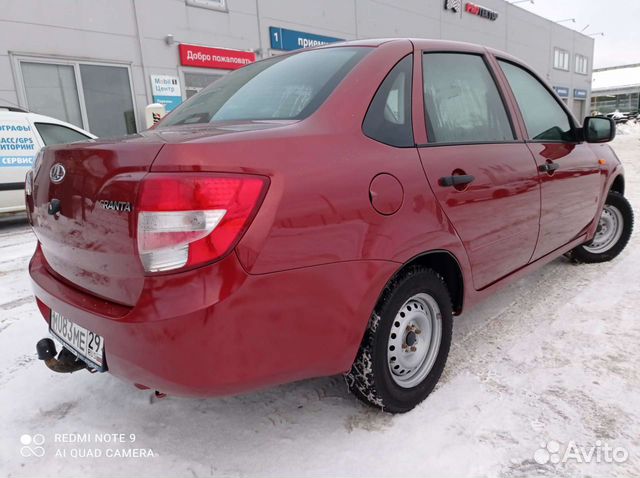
<point x="548" y="452"/>
<point x="32" y="445"/>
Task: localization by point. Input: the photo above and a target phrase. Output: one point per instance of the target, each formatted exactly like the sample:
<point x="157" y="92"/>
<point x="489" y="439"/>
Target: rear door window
<point x="58" y="134"/>
<point x="462" y="101"/>
<point x="543" y="116"/>
<point x="388" y="119"/>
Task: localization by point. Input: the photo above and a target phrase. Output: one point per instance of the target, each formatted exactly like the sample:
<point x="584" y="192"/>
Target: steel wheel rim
<point x="414" y="340"/>
<point x="608" y="232"/>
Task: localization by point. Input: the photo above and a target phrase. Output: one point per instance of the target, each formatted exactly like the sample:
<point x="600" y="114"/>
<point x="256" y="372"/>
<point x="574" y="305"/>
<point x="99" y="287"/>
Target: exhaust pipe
<point x="66" y="361"/>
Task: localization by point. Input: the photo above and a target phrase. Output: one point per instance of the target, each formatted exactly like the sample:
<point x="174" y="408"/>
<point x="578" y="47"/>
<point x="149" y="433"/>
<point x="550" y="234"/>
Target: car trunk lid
<point x="90" y="241"/>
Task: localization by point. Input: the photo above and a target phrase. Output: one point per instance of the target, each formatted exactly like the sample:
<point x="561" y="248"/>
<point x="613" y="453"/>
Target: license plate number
<point x="86" y="344"/>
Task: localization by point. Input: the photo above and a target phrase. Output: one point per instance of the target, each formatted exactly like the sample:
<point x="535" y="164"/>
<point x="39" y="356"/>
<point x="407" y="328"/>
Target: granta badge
<point x="118" y="206"/>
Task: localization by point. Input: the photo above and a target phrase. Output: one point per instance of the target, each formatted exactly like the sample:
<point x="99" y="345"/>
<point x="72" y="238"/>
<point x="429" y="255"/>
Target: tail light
<point x="187" y="220"/>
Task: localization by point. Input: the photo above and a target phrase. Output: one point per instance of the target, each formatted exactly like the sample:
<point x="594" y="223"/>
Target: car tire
<point x="406" y="344"/>
<point x="613" y="233"/>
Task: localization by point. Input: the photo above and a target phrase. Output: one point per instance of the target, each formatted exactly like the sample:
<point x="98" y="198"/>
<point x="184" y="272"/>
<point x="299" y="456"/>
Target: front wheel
<point x="405" y="347"/>
<point x="613" y="232"/>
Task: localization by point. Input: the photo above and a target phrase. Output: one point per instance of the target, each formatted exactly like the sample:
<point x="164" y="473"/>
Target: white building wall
<point x="133" y="32"/>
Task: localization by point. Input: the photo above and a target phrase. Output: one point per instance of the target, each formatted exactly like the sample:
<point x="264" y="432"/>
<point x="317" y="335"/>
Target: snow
<point x="552" y="357"/>
<point x="616" y="78"/>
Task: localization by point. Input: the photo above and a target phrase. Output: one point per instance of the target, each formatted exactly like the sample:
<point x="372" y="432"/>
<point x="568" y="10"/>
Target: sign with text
<point x="208" y="57"/>
<point x="481" y="11"/>
<point x="17" y="144"/>
<point x="166" y="91"/>
<point x="580" y="94"/>
<point x="288" y="40"/>
<point x="562" y="91"/>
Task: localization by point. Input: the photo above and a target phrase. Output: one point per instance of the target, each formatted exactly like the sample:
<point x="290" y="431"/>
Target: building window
<point x="195" y="82"/>
<point x="582" y="64"/>
<point x="92" y="96"/>
<point x="561" y="59"/>
<point x="625" y="102"/>
<point x="107" y="99"/>
<point x="220" y="5"/>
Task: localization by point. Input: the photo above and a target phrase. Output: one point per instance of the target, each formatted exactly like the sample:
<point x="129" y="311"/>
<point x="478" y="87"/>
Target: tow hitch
<point x="66" y="362"/>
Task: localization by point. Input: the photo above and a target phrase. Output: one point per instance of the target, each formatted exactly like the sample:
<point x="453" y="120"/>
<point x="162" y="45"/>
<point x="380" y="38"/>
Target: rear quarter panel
<point x="318" y="208"/>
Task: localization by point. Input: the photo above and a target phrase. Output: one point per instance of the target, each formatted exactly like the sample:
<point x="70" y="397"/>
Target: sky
<point x="618" y="19"/>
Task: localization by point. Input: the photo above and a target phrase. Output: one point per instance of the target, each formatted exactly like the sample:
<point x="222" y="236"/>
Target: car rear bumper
<point x="217" y="330"/>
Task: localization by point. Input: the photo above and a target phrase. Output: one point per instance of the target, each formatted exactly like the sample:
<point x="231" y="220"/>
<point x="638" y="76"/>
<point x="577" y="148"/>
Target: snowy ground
<point x="553" y="358"/>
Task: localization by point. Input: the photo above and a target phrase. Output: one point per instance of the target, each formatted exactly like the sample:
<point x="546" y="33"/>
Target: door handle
<point x="457" y="180"/>
<point x="548" y="167"/>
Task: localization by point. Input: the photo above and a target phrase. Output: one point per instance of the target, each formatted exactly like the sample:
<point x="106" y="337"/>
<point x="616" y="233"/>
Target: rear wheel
<point x="613" y="232"/>
<point x="406" y="345"/>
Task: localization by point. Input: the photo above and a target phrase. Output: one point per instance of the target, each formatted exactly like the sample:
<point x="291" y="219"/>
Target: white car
<point x="22" y="136"/>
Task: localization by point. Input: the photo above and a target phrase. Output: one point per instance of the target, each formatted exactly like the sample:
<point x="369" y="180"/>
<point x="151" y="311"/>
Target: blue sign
<point x="562" y="91"/>
<point x="16" y="161"/>
<point x="287" y="40"/>
<point x="580" y="94"/>
<point x="169" y="102"/>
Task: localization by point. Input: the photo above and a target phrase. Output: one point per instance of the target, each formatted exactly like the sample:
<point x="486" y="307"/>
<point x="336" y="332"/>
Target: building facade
<point x="616" y="89"/>
<point x="98" y="63"/>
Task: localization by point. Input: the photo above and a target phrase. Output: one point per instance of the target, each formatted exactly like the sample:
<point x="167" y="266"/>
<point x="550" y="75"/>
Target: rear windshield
<point x="280" y="88"/>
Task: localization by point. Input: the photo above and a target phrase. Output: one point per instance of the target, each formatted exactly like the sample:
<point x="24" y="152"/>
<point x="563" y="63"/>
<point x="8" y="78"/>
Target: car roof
<point x="11" y="112"/>
<point x="428" y="44"/>
<point x="431" y="42"/>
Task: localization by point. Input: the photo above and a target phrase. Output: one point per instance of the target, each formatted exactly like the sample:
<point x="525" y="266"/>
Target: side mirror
<point x="598" y="129"/>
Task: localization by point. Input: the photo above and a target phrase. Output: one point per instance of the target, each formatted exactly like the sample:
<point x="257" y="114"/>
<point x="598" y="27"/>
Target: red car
<point x="322" y="212"/>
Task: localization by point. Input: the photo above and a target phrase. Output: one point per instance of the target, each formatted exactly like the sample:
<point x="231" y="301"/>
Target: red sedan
<point x="326" y="211"/>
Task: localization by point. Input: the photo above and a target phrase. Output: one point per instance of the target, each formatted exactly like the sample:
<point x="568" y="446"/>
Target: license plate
<point x="88" y="345"/>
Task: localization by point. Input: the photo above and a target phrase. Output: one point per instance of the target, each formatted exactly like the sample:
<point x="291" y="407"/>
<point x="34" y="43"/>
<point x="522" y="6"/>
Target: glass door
<point x="107" y="98"/>
<point x="52" y="90"/>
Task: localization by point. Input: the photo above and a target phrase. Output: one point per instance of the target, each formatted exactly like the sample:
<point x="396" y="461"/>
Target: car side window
<point x="462" y="101"/>
<point x="388" y="118"/>
<point x="58" y="134"/>
<point x="543" y="116"/>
